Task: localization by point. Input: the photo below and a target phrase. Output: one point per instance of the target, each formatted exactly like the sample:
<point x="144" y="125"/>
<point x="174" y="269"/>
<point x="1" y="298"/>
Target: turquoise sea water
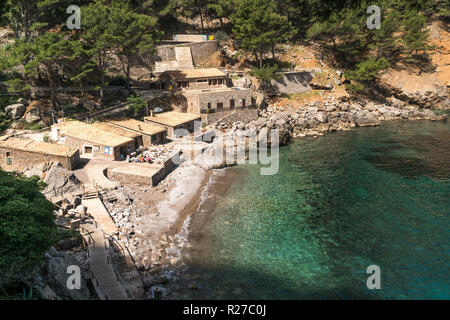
<point x="340" y="203"/>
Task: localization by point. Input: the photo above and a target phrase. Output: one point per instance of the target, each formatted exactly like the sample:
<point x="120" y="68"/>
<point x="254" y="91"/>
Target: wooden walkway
<point x="104" y="278"/>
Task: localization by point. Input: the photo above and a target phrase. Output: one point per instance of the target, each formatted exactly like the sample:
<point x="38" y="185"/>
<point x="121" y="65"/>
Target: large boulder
<point x="60" y="180"/>
<point x="364" y="118"/>
<point x="23" y="101"/>
<point x="260" y="101"/>
<point x="16" y="111"/>
<point x="51" y="282"/>
<point x="33" y="115"/>
<point x="38" y="110"/>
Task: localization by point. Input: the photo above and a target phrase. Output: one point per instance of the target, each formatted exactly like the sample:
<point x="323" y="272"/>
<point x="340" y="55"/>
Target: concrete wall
<point x="200" y="51"/>
<point x="294" y="82"/>
<point x="168" y="166"/>
<point x="166" y="52"/>
<point x="22" y="160"/>
<point x="189" y="126"/>
<point x="199" y="102"/>
<point x="158" y="139"/>
<point x="190" y="37"/>
<point x="246" y="114"/>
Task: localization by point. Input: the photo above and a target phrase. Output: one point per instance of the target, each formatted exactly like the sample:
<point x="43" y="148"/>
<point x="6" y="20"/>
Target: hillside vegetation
<point x="116" y="34"/>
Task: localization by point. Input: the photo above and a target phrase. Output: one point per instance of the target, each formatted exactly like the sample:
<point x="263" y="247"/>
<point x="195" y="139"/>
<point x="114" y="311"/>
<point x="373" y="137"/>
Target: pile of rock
<point x="315" y="118"/>
<point x="71" y="211"/>
<point x="331" y="115"/>
<point x="37" y="111"/>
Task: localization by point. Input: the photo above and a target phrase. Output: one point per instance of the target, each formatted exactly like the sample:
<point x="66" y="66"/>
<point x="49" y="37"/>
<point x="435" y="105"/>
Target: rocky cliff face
<point x="51" y="280"/>
<point x="428" y="87"/>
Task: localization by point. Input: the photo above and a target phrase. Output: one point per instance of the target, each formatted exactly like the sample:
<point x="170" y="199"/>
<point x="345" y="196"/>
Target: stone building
<point x="193" y="79"/>
<point x="174" y="120"/>
<point x="150" y="134"/>
<point x="19" y="154"/>
<point x="205" y="91"/>
<point x="217" y="100"/>
<point x="91" y="141"/>
<point x="104" y="126"/>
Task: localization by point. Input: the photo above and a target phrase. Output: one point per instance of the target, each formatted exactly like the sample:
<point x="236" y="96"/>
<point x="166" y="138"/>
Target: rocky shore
<point x="331" y="115"/>
<point x="154" y="222"/>
<point x="316" y="118"/>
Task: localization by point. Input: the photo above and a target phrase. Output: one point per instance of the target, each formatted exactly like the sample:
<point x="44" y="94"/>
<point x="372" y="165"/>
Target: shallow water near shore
<point x="339" y="203"/>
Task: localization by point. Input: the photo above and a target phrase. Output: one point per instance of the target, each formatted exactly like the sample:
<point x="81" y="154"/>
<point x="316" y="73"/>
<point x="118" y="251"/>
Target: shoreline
<point x="196" y="214"/>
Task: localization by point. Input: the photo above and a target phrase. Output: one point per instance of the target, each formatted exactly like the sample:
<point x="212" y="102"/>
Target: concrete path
<point x="93" y="174"/>
<point x="105" y="280"/>
<point x="96" y="209"/>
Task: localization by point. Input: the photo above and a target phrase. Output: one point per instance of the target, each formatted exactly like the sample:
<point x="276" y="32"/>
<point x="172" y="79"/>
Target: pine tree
<point x="25" y="16"/>
<point x="133" y="34"/>
<point x="42" y="55"/>
<point x="259" y="27"/>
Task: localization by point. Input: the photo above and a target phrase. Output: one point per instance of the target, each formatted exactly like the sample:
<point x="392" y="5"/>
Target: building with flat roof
<point x="205" y="91"/>
<point x="92" y="141"/>
<point x="217" y="100"/>
<point x="18" y="154"/>
<point x="105" y="126"/>
<point x="151" y="134"/>
<point x="193" y="79"/>
<point x="173" y="121"/>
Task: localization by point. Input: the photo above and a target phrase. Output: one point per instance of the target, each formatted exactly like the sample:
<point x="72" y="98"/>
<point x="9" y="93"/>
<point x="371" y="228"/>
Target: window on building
<point x="183" y="84"/>
<point x="215" y="82"/>
<point x="243" y="102"/>
<point x="8" y="158"/>
<point x="220" y="82"/>
<point x="231" y="103"/>
<point x="209" y="105"/>
<point x="219" y="105"/>
<point x="202" y="80"/>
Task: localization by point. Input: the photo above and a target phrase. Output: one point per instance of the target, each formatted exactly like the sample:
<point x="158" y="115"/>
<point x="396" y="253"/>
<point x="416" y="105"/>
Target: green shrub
<point x="266" y="73"/>
<point x="367" y="70"/>
<point x="137" y="105"/>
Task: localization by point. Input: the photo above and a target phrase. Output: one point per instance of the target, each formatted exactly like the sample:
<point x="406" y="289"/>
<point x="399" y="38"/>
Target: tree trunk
<point x="201" y="15"/>
<point x="261" y="58"/>
<point x="51" y="84"/>
<point x="255" y="55"/>
<point x="128" y="72"/>
<point x="102" y="71"/>
<point x="81" y="89"/>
